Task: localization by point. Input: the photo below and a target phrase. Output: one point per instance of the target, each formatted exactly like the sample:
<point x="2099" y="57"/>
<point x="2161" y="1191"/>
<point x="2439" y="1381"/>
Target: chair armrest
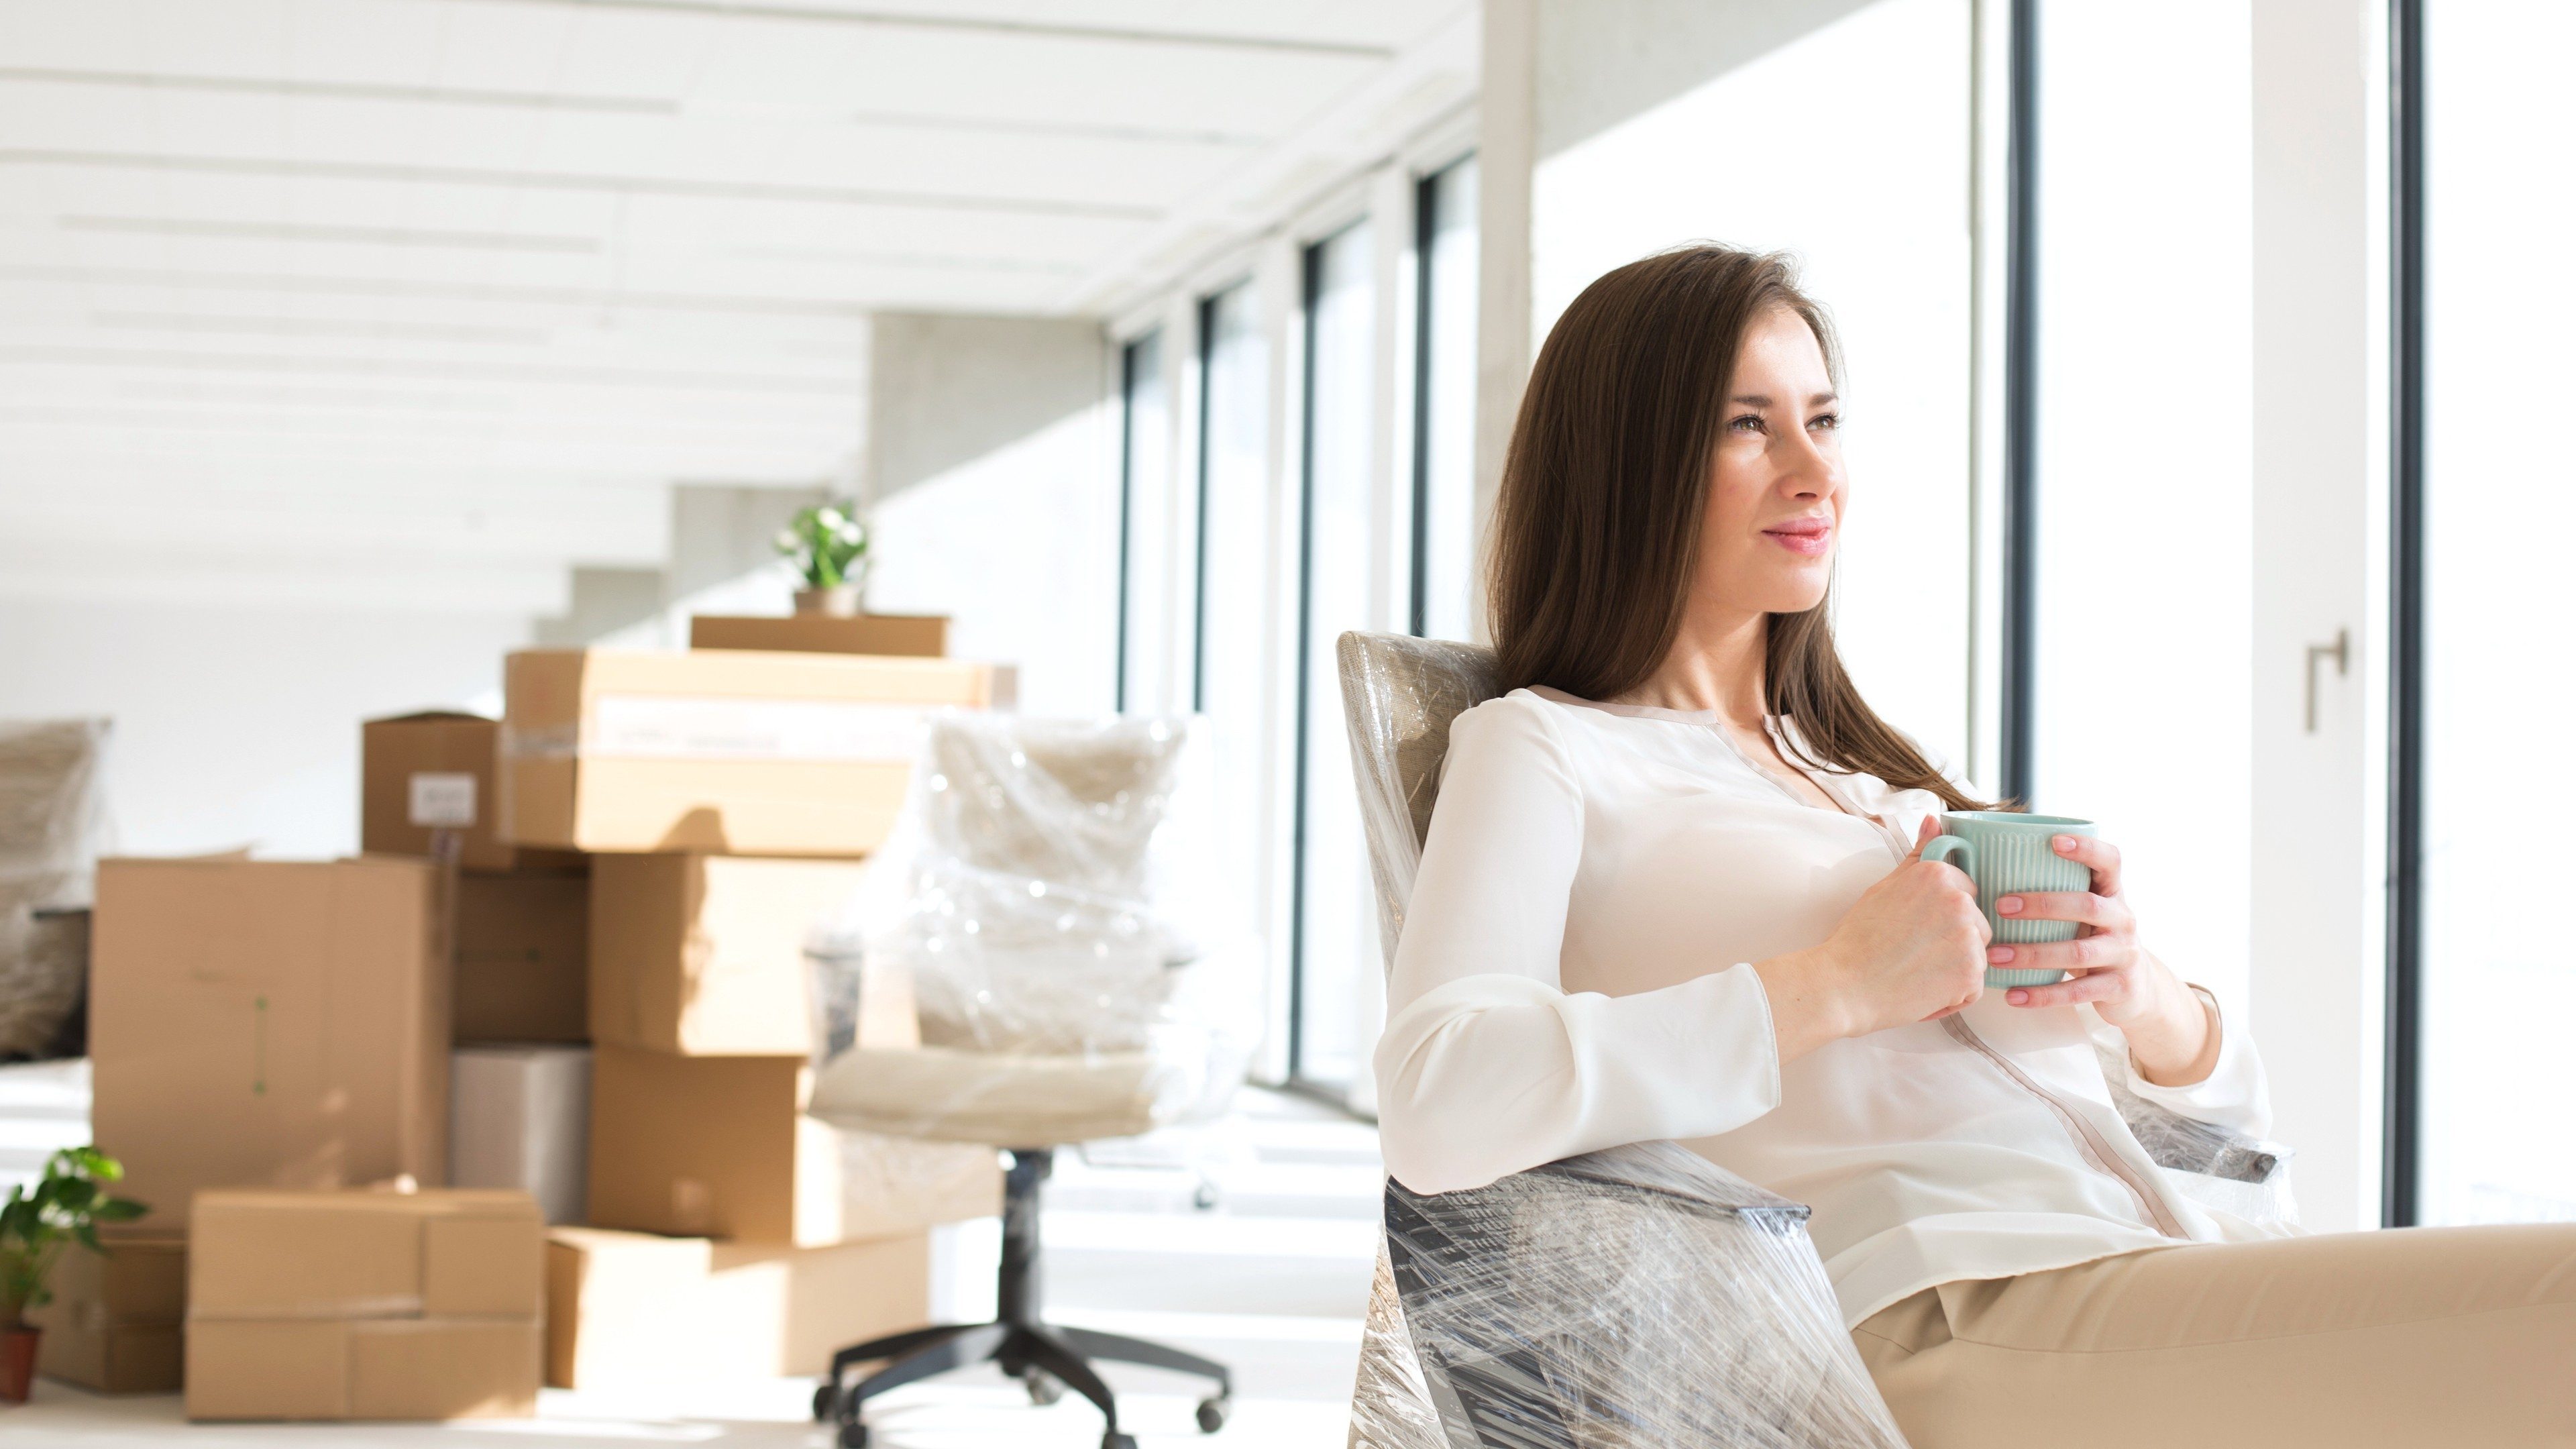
<point x="1635" y="1296"/>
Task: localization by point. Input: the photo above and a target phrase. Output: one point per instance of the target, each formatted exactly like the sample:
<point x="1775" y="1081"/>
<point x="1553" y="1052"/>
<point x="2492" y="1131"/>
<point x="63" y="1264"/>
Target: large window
<point x="2496" y="974"/>
<point x="1334" y="947"/>
<point x="1237" y="579"/>
<point x="1444" y="404"/>
<point x="1145" y="467"/>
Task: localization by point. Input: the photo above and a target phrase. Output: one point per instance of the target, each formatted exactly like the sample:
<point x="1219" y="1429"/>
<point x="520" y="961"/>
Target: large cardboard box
<point x="521" y="1119"/>
<point x="634" y="1308"/>
<point x="917" y="635"/>
<point x="704" y="955"/>
<point x="719" y="750"/>
<point x="268" y="1023"/>
<point x="422" y="772"/>
<point x="113" y="1325"/>
<point x="721" y="1147"/>
<point x="523" y="957"/>
<point x="364" y="1305"/>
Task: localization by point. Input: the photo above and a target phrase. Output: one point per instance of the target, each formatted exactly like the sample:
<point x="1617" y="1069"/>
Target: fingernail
<point x="2009" y="906"/>
<point x="2018" y="998"/>
<point x="1998" y="955"/>
<point x="2064" y="843"/>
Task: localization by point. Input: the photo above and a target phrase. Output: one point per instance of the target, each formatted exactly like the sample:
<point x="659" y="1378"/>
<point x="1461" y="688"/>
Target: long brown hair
<point x="1596" y="533"/>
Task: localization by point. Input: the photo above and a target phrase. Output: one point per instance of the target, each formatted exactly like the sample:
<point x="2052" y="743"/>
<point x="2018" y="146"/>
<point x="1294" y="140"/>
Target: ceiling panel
<point x="471" y="283"/>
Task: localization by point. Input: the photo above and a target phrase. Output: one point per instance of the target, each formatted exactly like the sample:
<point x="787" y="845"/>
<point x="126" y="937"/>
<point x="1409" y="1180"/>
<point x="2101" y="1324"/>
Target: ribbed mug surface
<point x="2009" y="854"/>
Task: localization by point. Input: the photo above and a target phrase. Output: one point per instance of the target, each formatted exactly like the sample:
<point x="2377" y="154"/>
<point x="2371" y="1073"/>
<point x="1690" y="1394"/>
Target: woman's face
<point x="1776" y="485"/>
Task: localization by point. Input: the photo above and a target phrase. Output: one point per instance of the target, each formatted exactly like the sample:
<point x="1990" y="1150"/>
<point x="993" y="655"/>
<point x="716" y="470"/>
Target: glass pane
<point x="1337" y="948"/>
<point x="2499" y="973"/>
<point x="2117" y="324"/>
<point x="1446" y="511"/>
<point x="1143" y="489"/>
<point x="1237" y="665"/>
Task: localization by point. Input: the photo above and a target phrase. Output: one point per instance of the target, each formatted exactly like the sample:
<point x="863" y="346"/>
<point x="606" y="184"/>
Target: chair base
<point x="1047" y="1358"/>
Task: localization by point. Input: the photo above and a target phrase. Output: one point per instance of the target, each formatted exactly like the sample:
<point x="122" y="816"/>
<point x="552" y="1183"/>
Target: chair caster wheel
<point x="1213" y="1412"/>
<point x="825" y="1397"/>
<point x="1117" y="1441"/>
<point x="1204" y="1198"/>
<point x="1044" y="1388"/>
<point x="854" y="1436"/>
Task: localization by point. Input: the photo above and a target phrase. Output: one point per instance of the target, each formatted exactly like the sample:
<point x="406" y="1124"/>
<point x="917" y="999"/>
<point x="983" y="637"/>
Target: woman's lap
<point x="2417" y="1336"/>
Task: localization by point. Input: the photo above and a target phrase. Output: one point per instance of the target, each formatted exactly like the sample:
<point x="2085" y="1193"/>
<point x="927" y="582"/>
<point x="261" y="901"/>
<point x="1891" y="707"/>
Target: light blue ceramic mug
<point x="2007" y="853"/>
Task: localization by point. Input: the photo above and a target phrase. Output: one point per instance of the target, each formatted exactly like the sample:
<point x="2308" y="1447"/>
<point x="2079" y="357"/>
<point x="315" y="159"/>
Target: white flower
<point x="851" y="533"/>
<point x="829" y="517"/>
<point x="786" y="540"/>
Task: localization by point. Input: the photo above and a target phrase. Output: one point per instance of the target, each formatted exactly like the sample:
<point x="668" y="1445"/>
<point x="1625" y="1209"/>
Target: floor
<point x="1272" y="1279"/>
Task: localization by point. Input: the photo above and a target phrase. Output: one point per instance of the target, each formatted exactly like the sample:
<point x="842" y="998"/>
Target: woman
<point x="1673" y="890"/>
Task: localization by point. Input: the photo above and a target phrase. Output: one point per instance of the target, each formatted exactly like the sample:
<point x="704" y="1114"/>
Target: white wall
<point x="1838" y="132"/>
<point x="239" y="726"/>
<point x="993" y="495"/>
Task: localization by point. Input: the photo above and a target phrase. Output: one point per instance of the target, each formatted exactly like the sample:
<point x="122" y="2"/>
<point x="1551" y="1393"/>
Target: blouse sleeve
<point x="1487" y="1066"/>
<point x="2235" y="1094"/>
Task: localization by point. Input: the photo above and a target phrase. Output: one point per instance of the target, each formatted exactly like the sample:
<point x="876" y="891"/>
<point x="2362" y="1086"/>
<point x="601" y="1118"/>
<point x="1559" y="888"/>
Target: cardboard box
<point x="522" y="958"/>
<point x="717" y="750"/>
<point x="720" y="1147"/>
<point x="704" y="955"/>
<point x="916" y="635"/>
<point x="113" y="1326"/>
<point x="420" y="772"/>
<point x="268" y="1023"/>
<point x="521" y="1119"/>
<point x="364" y="1305"/>
<point x="634" y="1308"/>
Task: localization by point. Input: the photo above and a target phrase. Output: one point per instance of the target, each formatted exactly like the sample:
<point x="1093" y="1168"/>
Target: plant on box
<point x="829" y="547"/>
<point x="65" y="1206"/>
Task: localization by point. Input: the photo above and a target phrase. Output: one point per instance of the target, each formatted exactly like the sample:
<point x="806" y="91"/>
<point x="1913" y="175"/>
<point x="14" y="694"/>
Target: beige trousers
<point x="2417" y="1337"/>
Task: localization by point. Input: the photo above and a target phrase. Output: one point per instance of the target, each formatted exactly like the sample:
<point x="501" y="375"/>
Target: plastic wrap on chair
<point x="2243" y="1176"/>
<point x="1399" y="694"/>
<point x="52" y="818"/>
<point x="1045" y="906"/>
<point x="1624" y="1299"/>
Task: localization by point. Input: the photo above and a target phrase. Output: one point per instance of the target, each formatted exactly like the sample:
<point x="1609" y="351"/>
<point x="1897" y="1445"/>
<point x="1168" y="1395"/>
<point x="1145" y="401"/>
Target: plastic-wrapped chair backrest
<point x="1630" y="1298"/>
<point x="1399" y="694"/>
<point x="52" y="820"/>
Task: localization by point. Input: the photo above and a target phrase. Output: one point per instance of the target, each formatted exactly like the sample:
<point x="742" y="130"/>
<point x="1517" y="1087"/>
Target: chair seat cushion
<point x="1003" y="1100"/>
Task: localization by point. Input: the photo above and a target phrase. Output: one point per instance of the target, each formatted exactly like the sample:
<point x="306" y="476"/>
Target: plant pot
<point x="18" y="1362"/>
<point x="840" y="601"/>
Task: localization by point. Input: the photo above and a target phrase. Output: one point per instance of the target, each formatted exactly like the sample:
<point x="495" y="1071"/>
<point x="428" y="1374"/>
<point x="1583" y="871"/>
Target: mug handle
<point x="1942" y="847"/>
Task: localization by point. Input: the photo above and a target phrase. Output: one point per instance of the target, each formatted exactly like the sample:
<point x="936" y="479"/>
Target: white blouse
<point x="1575" y="974"/>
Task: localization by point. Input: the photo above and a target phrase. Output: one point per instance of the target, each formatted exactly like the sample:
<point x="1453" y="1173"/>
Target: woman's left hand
<point x="2170" y="1031"/>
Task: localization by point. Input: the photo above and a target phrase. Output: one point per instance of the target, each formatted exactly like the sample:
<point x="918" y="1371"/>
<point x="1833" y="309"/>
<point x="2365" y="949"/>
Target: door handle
<point x="2340" y="651"/>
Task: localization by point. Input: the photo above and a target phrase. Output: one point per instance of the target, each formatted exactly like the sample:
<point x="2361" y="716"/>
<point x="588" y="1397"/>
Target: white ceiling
<point x="432" y="299"/>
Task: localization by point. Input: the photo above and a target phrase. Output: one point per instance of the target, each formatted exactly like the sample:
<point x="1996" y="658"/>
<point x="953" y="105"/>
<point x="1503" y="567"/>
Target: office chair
<point x="1059" y="1002"/>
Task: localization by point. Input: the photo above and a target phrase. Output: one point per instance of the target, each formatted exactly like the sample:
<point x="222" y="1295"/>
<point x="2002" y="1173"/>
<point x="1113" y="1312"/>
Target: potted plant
<point x="829" y="547"/>
<point x="64" y="1207"/>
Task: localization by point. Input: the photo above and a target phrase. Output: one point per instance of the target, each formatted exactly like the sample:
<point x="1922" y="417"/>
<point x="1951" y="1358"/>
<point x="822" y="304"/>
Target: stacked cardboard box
<point x="364" y="1305"/>
<point x="268" y="1035"/>
<point x="728" y="799"/>
<point x="268" y="1023"/>
<point x="113" y="1324"/>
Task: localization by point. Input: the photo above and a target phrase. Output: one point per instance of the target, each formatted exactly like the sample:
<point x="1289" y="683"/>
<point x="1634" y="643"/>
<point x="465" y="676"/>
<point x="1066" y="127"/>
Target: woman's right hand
<point x="1912" y="948"/>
